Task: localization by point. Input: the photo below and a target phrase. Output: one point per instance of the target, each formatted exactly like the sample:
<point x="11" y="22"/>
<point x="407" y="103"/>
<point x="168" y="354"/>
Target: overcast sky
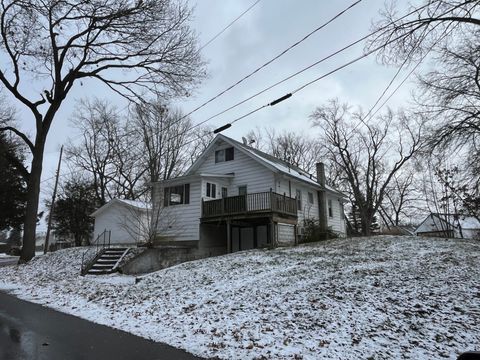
<point x="266" y="30"/>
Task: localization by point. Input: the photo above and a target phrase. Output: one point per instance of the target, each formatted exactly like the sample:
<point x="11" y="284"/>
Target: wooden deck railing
<point x="250" y="203"/>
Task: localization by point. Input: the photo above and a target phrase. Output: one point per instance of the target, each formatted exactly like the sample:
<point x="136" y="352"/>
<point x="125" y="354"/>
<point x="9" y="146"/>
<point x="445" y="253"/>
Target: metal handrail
<point x="97" y="245"/>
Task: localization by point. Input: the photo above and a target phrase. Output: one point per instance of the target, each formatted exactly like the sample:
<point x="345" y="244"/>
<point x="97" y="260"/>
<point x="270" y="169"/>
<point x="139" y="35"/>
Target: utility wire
<point x="445" y="33"/>
<point x="228" y="26"/>
<point x="426" y="31"/>
<point x="293" y="75"/>
<point x="269" y="61"/>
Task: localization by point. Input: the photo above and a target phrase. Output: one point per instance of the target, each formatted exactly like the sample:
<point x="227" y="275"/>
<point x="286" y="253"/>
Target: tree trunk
<point x="31" y="211"/>
<point x="366" y="221"/>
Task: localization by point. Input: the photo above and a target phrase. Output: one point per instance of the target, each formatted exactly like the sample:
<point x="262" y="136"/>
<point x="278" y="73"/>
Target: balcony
<point x="250" y="204"/>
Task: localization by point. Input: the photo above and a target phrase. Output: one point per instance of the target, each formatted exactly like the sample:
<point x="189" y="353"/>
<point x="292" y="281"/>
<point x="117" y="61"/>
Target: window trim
<point x="330" y="208"/>
<point x="211" y="189"/>
<point x="242" y="186"/>
<point x="218" y="158"/>
<point x="311" y="199"/>
<point x="298" y="196"/>
<point x="221" y="154"/>
<point x="230" y="154"/>
<point x="184" y="194"/>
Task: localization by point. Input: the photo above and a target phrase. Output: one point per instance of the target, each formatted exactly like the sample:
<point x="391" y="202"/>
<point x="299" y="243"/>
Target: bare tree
<point x="124" y="153"/>
<point x="147" y="224"/>
<point x="164" y="135"/>
<point x="129" y="46"/>
<point x="401" y="199"/>
<point x="406" y="38"/>
<point x="200" y="139"/>
<point x="97" y="122"/>
<point x="368" y="157"/>
<point x="296" y="149"/>
<point x="450" y="91"/>
<point x="256" y="139"/>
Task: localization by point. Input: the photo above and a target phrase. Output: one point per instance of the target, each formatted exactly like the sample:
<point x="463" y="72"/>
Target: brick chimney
<point x="321" y="173"/>
<point x="322" y="198"/>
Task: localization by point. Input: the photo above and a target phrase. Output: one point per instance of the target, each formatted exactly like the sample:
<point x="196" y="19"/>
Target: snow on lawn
<point x="366" y="298"/>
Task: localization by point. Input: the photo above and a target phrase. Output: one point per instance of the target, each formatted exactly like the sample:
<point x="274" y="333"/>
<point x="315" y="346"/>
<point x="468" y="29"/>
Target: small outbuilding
<point x="126" y="220"/>
<point x="449" y="226"/>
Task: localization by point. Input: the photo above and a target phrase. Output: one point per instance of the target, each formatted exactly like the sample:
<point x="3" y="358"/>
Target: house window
<point x="229" y="154"/>
<point x="224" y="155"/>
<point x="224" y="192"/>
<point x="310" y="198"/>
<point x="176" y="195"/>
<point x="342" y="212"/>
<point x="242" y="190"/>
<point x="211" y="190"/>
<point x="330" y="210"/>
<point x="299" y="200"/>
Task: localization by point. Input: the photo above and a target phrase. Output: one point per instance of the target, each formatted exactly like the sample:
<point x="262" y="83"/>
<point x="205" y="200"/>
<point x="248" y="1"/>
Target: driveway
<point x="31" y="331"/>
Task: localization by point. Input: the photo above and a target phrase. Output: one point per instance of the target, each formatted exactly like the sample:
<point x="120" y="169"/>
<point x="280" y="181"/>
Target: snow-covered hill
<point x="365" y="298"/>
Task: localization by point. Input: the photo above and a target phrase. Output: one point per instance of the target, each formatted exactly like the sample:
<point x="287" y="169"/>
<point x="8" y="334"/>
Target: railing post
<point x="271" y="200"/>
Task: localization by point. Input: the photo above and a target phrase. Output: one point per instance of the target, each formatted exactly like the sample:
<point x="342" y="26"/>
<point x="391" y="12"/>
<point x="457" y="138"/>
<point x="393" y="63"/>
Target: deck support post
<point x="273" y="242"/>
<point x="229" y="237"/>
<point x="295" y="234"/>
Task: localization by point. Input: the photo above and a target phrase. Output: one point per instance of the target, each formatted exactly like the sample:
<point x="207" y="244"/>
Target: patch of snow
<point x="469" y="222"/>
<point x="373" y="297"/>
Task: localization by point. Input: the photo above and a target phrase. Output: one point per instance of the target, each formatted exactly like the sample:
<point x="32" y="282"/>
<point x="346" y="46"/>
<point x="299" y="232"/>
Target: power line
<point x="321" y="77"/>
<point x="372" y="114"/>
<point x="228" y="26"/>
<point x="294" y="74"/>
<point x="270" y="61"/>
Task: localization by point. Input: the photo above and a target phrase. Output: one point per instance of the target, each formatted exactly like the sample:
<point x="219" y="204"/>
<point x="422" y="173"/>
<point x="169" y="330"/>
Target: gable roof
<point x="140" y="205"/>
<point x="466" y="222"/>
<point x="267" y="160"/>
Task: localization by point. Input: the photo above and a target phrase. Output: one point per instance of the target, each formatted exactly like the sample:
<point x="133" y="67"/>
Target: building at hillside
<point x="235" y="197"/>
<point x="449" y="226"/>
<point x="126" y="222"/>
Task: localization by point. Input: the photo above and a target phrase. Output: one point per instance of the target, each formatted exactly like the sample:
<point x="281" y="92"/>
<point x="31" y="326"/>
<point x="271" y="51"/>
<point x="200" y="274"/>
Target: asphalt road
<point x="33" y="332"/>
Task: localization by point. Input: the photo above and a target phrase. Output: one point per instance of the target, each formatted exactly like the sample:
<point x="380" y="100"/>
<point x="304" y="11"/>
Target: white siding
<point x="336" y="222"/>
<point x="122" y="221"/>
<point x="180" y="222"/>
<point x="247" y="172"/>
<point x="285" y="234"/>
<point x="310" y="211"/>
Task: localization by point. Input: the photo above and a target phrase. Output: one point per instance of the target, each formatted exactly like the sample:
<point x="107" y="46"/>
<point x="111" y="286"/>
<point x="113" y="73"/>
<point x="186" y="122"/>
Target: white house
<point x="235" y="197"/>
<point x="449" y="225"/>
<point x="126" y="220"/>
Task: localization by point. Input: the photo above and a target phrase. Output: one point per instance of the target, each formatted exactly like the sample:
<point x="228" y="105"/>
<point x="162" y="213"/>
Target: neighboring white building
<point x="449" y="225"/>
<point x="235" y="197"/>
<point x="127" y="221"/>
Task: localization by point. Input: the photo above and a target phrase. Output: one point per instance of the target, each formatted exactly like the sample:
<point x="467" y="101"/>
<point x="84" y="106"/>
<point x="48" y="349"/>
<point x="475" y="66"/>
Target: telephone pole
<point x="52" y="206"/>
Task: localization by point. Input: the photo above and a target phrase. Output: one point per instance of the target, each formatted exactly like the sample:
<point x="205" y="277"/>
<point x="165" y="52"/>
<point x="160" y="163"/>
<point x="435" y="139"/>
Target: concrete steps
<point x="108" y="261"/>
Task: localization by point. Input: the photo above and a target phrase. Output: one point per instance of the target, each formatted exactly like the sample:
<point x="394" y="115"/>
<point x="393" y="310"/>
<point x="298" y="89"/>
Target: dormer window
<point x="224" y="155"/>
